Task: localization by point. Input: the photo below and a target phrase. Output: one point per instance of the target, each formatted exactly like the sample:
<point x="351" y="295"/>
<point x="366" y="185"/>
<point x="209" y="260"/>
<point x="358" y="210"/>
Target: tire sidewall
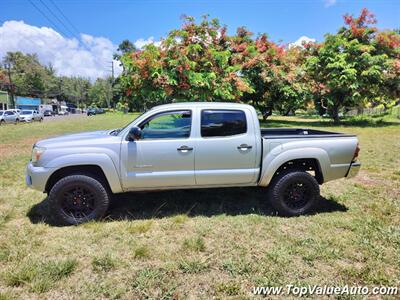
<point x="101" y="200"/>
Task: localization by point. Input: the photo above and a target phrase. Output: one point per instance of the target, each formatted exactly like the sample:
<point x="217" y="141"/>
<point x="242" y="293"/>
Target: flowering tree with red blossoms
<point x="193" y="63"/>
<point x="200" y="62"/>
<point x="357" y="65"/>
<point x="275" y="72"/>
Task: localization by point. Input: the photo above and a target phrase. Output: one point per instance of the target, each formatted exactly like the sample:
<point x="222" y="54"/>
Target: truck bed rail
<point x="278" y="133"/>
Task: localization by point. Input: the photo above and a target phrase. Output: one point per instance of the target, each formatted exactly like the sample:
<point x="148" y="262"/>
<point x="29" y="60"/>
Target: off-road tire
<point x="61" y="196"/>
<point x="283" y="193"/>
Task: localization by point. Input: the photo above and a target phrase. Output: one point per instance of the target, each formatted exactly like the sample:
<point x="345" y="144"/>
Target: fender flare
<point x="272" y="163"/>
<point x="98" y="159"/>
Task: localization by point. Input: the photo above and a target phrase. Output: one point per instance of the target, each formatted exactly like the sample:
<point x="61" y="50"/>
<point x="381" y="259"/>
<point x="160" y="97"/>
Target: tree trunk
<point x="266" y="113"/>
<point x="287" y="112"/>
<point x="335" y="114"/>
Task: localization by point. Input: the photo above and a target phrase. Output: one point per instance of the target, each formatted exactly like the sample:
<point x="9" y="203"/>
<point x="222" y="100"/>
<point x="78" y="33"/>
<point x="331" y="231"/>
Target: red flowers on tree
<point x="200" y="62"/>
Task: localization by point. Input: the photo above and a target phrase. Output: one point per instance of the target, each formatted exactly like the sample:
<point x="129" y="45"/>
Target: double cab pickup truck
<point x="185" y="146"/>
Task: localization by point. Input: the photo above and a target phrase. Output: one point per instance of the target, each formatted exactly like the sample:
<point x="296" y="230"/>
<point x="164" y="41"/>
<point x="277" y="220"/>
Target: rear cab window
<point x="222" y="122"/>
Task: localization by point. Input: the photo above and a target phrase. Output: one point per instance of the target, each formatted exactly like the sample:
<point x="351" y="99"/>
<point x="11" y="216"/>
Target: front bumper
<point x="25" y="120"/>
<point x="353" y="170"/>
<point x="37" y="177"/>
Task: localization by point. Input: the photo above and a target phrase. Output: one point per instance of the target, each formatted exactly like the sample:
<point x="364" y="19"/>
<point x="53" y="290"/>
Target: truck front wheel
<point x="294" y="193"/>
<point x="76" y="199"/>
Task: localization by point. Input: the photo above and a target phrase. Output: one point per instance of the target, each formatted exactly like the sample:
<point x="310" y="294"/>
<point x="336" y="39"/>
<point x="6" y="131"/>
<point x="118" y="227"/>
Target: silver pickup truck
<point x="189" y="145"/>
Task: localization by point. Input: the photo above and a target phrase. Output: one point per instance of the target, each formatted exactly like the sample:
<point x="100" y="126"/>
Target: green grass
<point x="39" y="277"/>
<point x="103" y="263"/>
<point x="141" y="252"/>
<point x="205" y="243"/>
<point x="196" y="244"/>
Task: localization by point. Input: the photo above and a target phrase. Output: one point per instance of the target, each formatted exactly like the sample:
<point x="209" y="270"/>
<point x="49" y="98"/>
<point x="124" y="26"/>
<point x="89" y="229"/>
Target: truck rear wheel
<point x="76" y="199"/>
<point x="294" y="193"/>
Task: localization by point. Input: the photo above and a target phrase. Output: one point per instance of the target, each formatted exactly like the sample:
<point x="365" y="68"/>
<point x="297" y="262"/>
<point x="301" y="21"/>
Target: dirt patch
<point x="20" y="147"/>
<point x="365" y="179"/>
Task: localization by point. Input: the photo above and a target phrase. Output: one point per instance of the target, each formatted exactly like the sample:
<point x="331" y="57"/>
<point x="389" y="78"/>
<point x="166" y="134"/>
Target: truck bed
<point x="279" y="133"/>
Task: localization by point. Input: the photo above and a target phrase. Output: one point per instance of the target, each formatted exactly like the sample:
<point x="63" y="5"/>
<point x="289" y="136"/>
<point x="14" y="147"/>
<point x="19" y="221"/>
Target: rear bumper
<point x="353" y="170"/>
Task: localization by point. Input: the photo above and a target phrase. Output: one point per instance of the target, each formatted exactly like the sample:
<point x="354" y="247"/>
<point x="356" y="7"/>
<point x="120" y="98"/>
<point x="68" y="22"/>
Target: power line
<point x="55" y="16"/>
<point x="63" y="24"/>
<point x="65" y="17"/>
<point x="68" y="21"/>
<point x="44" y="15"/>
<point x="55" y="25"/>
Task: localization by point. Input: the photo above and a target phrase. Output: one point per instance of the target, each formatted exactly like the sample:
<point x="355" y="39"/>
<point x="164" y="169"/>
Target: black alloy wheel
<point x="78" y="202"/>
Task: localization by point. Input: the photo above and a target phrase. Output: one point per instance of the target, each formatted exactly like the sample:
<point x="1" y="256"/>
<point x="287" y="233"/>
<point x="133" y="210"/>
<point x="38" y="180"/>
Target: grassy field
<point x="201" y="244"/>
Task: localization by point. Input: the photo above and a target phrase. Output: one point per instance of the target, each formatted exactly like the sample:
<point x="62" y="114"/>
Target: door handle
<point x="184" y="148"/>
<point x="244" y="147"/>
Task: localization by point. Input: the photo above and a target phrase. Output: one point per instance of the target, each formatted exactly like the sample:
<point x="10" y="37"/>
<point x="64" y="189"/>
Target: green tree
<point x="126" y="46"/>
<point x="352" y="67"/>
<point x="28" y="75"/>
<point x="100" y="92"/>
<point x="51" y="82"/>
<point x="74" y="90"/>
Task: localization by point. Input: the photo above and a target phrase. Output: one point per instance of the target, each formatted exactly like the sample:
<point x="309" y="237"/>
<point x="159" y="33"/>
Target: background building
<point x="27" y="103"/>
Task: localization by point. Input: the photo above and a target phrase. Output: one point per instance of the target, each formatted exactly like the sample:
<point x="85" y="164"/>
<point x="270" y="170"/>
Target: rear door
<point x="226" y="150"/>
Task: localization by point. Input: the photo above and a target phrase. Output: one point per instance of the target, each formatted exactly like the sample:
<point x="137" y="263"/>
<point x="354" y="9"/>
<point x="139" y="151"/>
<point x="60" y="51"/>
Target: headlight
<point x="37" y="153"/>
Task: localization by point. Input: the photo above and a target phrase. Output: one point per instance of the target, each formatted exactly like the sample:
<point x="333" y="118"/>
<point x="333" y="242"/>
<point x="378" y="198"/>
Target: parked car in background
<point x="48" y="113"/>
<point x="100" y="110"/>
<point x="94" y="111"/>
<point x="30" y="115"/>
<point x="63" y="113"/>
<point x="91" y="111"/>
<point x="17" y="111"/>
<point x="8" y="117"/>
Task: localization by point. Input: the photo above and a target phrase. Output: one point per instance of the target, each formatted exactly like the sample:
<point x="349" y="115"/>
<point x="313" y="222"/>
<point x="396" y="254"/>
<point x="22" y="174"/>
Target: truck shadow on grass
<point x="199" y="202"/>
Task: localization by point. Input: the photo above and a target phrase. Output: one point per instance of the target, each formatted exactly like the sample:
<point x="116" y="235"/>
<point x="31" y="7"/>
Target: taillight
<point x="356" y="152"/>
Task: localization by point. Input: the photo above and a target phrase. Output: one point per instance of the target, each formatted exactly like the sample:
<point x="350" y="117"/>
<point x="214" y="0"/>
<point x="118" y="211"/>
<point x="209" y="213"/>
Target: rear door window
<point x="220" y="123"/>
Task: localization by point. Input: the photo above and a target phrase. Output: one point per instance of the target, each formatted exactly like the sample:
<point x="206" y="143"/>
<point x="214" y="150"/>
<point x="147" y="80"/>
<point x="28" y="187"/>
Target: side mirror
<point x="135" y="133"/>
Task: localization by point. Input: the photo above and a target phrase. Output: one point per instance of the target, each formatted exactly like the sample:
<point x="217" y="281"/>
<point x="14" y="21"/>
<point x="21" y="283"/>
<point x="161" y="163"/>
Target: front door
<point x="226" y="151"/>
<point x="164" y="156"/>
<point x="9" y="117"/>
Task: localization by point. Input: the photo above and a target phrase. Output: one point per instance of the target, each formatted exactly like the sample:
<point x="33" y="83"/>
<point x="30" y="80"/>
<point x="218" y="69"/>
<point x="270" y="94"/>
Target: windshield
<point x="26" y="112"/>
<point x="1" y="113"/>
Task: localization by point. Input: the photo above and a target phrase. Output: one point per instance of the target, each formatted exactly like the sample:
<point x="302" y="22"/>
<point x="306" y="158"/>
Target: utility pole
<point x="112" y="71"/>
<point x="112" y="82"/>
<point x="8" y="67"/>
